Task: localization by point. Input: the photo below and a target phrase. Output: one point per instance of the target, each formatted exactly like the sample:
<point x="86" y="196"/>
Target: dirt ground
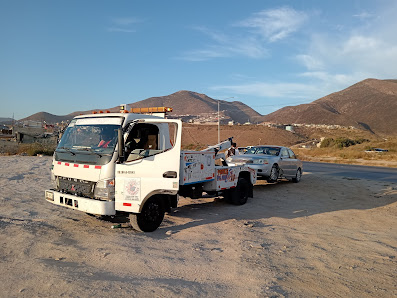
<point x="322" y="237"/>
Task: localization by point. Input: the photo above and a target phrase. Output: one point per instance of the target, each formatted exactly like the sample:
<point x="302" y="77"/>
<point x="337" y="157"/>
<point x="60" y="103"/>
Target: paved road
<point x="352" y="171"/>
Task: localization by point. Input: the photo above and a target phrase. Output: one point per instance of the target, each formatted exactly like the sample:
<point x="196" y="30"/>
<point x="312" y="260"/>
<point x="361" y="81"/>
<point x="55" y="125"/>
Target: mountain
<point x="49" y="118"/>
<point x="370" y="104"/>
<point x="6" y="120"/>
<point x="186" y="103"/>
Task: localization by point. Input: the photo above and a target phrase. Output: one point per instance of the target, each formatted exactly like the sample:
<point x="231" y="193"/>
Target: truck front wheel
<point x="150" y="217"/>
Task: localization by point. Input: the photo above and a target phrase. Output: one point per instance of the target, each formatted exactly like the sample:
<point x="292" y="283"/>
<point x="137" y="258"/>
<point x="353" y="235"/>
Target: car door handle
<point x="170" y="174"/>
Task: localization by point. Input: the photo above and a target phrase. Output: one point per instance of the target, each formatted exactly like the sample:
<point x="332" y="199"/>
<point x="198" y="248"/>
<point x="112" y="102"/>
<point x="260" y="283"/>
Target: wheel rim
<point x="298" y="175"/>
<point x="273" y="174"/>
<point x="152" y="212"/>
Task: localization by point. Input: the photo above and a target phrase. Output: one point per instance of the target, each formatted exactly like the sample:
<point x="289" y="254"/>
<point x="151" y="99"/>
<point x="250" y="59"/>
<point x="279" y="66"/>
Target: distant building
<point x="289" y="128"/>
<point x="32" y="123"/>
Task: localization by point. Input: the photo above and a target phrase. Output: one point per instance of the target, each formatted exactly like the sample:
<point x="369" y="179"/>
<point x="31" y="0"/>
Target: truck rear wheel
<point x="150" y="217"/>
<point x="239" y="195"/>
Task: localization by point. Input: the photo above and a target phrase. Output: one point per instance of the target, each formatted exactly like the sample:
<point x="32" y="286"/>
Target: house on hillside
<point x="32" y="123"/>
<point x="5" y="130"/>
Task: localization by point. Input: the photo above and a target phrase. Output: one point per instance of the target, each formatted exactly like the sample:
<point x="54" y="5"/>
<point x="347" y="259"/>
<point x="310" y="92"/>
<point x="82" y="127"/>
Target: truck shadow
<point x="313" y="195"/>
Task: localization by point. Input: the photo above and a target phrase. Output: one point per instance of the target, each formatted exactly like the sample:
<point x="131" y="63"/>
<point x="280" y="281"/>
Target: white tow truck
<point x="131" y="162"/>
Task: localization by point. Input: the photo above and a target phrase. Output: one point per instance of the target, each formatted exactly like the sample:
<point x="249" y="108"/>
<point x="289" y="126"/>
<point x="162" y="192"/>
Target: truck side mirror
<point x="121" y="145"/>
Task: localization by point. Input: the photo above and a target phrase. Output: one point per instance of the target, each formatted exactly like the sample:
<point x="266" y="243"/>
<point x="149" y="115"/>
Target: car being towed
<point x="270" y="162"/>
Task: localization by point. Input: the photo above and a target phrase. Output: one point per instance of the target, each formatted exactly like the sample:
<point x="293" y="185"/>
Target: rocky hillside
<point x="370" y="104"/>
<point x="48" y="118"/>
<point x="185" y="103"/>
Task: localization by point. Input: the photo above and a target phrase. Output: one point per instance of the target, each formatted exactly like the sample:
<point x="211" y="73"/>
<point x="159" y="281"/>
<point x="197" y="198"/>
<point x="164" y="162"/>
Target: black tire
<point x="274" y="172"/>
<point x="227" y="195"/>
<point x="239" y="195"/>
<point x="298" y="176"/>
<point x="150" y="217"/>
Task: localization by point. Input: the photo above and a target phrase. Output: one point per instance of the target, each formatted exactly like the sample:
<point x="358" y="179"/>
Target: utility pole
<point x="219" y="125"/>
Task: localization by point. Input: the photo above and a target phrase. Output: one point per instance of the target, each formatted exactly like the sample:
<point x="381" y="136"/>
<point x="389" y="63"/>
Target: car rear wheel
<point x="274" y="172"/>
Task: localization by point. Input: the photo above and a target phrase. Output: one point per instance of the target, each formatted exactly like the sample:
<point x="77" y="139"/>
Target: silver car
<point x="270" y="162"/>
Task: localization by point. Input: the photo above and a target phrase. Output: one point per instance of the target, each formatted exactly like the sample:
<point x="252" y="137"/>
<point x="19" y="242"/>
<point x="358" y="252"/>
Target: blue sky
<point x="65" y="56"/>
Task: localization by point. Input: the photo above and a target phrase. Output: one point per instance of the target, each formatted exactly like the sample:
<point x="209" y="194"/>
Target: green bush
<point x="328" y="142"/>
<point x="341" y="142"/>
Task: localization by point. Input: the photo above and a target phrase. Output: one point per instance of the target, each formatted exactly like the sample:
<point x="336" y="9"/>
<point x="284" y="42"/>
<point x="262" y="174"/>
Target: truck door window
<point x="146" y="139"/>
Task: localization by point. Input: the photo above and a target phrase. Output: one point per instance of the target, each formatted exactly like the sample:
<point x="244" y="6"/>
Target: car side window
<point x="291" y="154"/>
<point x="284" y="153"/>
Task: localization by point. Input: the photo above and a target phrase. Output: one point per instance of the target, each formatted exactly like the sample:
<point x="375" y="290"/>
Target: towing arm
<point x="220" y="147"/>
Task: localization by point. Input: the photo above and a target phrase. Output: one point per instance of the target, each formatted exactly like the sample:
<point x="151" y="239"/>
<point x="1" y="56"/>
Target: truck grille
<point x="76" y="187"/>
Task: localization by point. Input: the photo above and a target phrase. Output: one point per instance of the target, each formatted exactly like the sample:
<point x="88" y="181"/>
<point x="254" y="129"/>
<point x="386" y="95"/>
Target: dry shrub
<point x="352" y="152"/>
<point x="35" y="149"/>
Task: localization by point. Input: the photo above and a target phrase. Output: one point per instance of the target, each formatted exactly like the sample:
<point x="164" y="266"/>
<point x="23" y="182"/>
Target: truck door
<point x="151" y="165"/>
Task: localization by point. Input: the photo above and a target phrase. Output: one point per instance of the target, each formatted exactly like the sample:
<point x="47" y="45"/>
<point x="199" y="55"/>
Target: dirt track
<point x="322" y="237"/>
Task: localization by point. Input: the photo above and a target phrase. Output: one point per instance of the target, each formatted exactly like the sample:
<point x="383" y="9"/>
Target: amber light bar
<point x="151" y="110"/>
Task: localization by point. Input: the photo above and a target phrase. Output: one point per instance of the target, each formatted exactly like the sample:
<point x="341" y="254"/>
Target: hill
<point x="195" y="105"/>
<point x="49" y="118"/>
<point x="186" y="105"/>
<point x="370" y="104"/>
<point x="244" y="135"/>
<point x="6" y="120"/>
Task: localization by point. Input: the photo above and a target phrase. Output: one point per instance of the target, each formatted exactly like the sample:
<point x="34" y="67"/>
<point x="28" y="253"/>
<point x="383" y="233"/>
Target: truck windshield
<point x="88" y="142"/>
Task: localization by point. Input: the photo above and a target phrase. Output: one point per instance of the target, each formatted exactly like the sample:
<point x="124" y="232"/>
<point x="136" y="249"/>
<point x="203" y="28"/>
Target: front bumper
<point x="79" y="203"/>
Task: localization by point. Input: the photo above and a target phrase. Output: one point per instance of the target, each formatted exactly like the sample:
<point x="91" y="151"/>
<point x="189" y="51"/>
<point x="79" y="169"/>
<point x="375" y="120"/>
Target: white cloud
<point x="270" y="26"/>
<point x="271" y="90"/>
<point x="310" y="62"/>
<point x="125" y="21"/>
<point x="367" y="50"/>
<point x="359" y="43"/>
<point x="123" y="25"/>
<point x="226" y="46"/>
<point x="205" y="54"/>
<point x="115" y="29"/>
<point x="275" y="24"/>
<point x="363" y="15"/>
<point x="332" y="59"/>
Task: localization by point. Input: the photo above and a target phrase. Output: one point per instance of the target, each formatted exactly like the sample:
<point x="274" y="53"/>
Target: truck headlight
<point x="104" y="190"/>
<point x="49" y="195"/>
<point x="54" y="181"/>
